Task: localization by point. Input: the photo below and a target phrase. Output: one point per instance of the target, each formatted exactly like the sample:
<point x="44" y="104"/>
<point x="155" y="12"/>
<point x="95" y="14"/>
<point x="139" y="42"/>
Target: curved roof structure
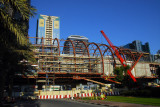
<point x="96" y="59"/>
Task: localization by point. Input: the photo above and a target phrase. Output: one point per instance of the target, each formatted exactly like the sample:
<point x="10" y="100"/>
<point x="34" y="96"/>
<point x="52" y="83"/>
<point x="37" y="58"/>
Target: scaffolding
<point x="81" y="60"/>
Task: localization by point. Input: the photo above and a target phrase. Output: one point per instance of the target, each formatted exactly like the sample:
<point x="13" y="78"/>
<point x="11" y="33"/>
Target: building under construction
<point x="94" y="63"/>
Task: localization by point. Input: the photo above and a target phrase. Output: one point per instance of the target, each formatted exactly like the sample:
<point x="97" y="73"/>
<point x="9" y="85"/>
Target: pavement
<point x="95" y="103"/>
<point x="113" y="104"/>
<point x="53" y="103"/>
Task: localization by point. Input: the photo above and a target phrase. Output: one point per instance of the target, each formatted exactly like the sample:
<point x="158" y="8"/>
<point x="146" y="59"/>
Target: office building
<point x="138" y="46"/>
<point x="79" y="46"/>
<point x="146" y="48"/>
<point x="48" y="27"/>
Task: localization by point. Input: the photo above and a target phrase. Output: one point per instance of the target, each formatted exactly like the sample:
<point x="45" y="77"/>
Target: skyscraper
<point x="79" y="46"/>
<point x="137" y="45"/>
<point x="48" y="27"/>
<point x="146" y="48"/>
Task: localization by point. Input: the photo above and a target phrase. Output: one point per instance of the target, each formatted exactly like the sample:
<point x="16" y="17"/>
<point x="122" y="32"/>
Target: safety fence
<point x="77" y="95"/>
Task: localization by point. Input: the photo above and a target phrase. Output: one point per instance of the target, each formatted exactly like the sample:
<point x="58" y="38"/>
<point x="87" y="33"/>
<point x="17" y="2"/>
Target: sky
<point x="123" y="21"/>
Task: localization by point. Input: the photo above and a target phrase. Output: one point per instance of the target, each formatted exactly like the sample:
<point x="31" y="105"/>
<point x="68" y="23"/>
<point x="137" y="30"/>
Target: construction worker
<point x="102" y="96"/>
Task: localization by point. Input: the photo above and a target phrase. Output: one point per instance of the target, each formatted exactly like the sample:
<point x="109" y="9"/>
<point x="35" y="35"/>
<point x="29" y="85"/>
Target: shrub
<point x="147" y="92"/>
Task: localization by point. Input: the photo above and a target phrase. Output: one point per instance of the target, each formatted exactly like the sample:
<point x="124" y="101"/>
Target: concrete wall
<point x="108" y="67"/>
<point x="142" y="69"/>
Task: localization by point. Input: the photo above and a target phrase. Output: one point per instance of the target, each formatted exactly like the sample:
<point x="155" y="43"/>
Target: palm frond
<point x="14" y="28"/>
<point x="8" y="21"/>
<point x="24" y="8"/>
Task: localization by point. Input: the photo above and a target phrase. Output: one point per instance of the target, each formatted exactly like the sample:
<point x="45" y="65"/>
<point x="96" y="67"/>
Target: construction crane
<point x="120" y="58"/>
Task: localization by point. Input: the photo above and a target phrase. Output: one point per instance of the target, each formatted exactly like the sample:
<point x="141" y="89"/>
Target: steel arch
<point x="87" y="53"/>
<point x="100" y="54"/>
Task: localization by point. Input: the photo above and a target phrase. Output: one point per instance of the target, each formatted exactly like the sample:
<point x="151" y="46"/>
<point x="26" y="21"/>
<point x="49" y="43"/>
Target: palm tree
<point x="11" y="12"/>
<point x="14" y="44"/>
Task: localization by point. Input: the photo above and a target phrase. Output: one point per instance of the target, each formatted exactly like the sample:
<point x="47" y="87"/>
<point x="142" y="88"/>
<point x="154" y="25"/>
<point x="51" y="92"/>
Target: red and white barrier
<point x="75" y="95"/>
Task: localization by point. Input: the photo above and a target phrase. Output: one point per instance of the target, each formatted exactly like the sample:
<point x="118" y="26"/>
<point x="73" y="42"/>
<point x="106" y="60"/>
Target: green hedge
<point x="147" y="92"/>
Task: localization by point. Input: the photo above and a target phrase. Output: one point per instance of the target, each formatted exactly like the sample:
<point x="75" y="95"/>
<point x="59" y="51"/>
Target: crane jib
<point x="119" y="56"/>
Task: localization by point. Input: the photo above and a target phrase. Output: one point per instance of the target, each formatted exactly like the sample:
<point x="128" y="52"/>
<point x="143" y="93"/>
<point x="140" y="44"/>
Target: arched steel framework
<point x="95" y="49"/>
<point x="85" y="50"/>
<point x="107" y="49"/>
<point x="58" y="49"/>
<point x="78" y="56"/>
<point x="121" y="53"/>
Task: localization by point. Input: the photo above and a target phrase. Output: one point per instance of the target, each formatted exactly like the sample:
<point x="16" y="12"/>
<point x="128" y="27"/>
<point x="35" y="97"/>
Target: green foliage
<point x="143" y="92"/>
<point x="14" y="17"/>
<point x="121" y="73"/>
<point x="14" y="44"/>
<point x="9" y="22"/>
<point x="136" y="100"/>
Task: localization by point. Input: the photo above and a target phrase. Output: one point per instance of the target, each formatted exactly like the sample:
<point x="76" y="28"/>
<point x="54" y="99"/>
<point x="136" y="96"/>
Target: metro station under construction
<point x="80" y="62"/>
<point x="77" y="64"/>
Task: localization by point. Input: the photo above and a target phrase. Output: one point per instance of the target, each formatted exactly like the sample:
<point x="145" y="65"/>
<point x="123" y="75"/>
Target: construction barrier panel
<point x="75" y="95"/>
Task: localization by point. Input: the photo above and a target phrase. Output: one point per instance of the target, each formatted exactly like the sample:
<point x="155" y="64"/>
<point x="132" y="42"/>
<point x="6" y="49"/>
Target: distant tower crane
<point x="120" y="58"/>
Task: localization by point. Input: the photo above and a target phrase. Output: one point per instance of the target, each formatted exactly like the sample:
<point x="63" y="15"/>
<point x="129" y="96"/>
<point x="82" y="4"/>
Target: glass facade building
<point x="138" y="46"/>
<point x="78" y="45"/>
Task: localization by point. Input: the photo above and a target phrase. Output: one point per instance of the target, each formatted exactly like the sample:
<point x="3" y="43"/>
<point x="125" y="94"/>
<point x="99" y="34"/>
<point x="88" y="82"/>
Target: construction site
<point x="79" y="64"/>
<point x="80" y="61"/>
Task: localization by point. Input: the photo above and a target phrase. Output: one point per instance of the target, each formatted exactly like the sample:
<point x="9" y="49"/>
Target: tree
<point x="14" y="44"/>
<point x="121" y="73"/>
<point x="12" y="12"/>
<point x="123" y="77"/>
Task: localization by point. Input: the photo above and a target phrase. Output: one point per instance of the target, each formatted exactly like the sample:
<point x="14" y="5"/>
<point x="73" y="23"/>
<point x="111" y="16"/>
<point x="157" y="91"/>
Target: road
<point x="53" y="103"/>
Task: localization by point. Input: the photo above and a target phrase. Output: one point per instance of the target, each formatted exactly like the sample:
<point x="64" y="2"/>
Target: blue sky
<point x="123" y="21"/>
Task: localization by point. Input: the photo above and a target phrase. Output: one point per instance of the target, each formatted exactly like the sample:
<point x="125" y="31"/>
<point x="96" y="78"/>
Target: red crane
<point x="120" y="58"/>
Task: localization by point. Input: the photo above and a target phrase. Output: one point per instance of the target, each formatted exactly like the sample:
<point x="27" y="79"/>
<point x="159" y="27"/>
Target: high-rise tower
<point x="138" y="46"/>
<point x="48" y="27"/>
<point x="78" y="45"/>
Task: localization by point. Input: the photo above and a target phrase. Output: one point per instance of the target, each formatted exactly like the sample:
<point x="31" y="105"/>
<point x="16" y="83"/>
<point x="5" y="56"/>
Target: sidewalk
<point x="114" y="104"/>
